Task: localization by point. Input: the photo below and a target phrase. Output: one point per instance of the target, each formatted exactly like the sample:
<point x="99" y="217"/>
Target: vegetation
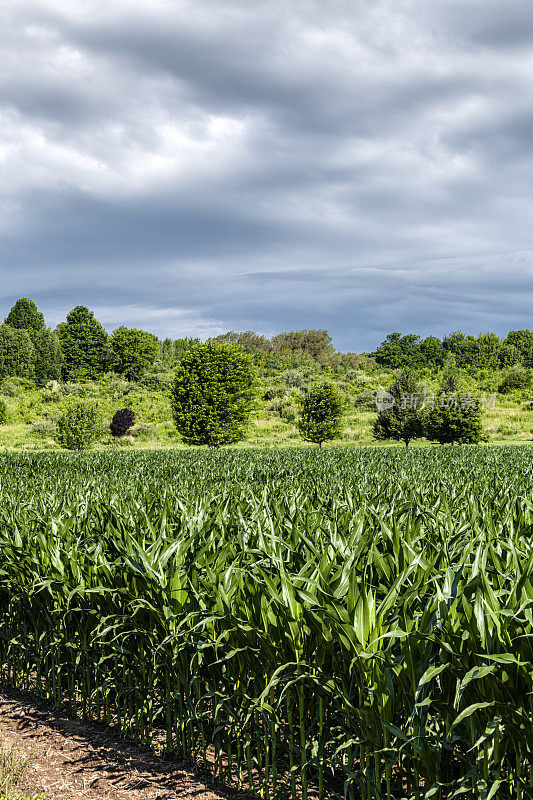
<point x="457" y="421"/>
<point x="132" y="352"/>
<point x="84" y="345"/>
<point x="404" y="417"/>
<point x="77" y="428"/>
<point x="122" y="421"/>
<point x="212" y="395"/>
<point x="350" y="622"/>
<point x="321" y="416"/>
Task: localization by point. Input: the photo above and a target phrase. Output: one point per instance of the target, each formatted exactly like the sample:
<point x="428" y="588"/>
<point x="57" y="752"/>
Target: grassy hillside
<point x="32" y="410"/>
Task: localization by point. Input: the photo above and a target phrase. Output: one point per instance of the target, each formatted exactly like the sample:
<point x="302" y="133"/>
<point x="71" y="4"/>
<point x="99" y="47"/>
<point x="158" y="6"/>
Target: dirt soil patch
<point x="70" y="759"/>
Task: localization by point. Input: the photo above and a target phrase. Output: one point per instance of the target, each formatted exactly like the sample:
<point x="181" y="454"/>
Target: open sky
<point x="196" y="166"/>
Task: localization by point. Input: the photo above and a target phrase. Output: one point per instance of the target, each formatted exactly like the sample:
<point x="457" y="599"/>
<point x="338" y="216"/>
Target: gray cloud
<point x="198" y="166"/>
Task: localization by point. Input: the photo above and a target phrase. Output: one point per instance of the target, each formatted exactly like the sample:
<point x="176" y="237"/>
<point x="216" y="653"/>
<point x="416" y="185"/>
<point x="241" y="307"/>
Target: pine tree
<point x="26" y="316"/>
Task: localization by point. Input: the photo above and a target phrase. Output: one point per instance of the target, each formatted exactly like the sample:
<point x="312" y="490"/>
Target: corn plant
<point x="344" y="624"/>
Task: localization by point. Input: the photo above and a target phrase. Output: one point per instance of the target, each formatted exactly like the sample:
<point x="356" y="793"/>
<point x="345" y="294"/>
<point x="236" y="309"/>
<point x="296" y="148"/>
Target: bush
<point x="45" y="427"/>
<point x="78" y="427"/>
<point x="516" y="378"/>
<point x="293" y="378"/>
<point x="3" y="413"/>
<point x="156" y="381"/>
<point x="122" y="421"/>
<point x="144" y="431"/>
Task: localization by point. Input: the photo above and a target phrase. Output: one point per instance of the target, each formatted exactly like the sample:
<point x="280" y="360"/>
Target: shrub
<point x="77" y="428"/>
<point x="144" y="431"/>
<point x="3" y="413"/>
<point x="293" y="378"/>
<point x="44" y="427"/>
<point x="122" y="421"/>
<point x="158" y="382"/>
<point x="516" y="378"/>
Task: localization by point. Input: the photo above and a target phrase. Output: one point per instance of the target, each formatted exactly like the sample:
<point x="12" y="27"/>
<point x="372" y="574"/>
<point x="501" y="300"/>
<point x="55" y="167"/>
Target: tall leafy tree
<point x="48" y="355"/>
<point x="17" y="353"/>
<point x="26" y="316"/>
<point x="212" y="394"/>
<point x="83" y="343"/>
<point x="403" y="420"/>
<point x="132" y="352"/>
<point x="321" y="416"/>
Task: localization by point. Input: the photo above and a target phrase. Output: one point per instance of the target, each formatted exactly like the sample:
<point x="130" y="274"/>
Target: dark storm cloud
<point x="192" y="167"/>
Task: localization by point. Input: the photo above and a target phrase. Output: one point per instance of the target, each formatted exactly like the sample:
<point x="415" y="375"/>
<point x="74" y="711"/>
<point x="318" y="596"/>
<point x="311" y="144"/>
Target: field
<point x="355" y="622"/>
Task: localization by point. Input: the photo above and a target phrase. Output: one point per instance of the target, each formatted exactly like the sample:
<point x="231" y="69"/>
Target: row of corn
<point x="350" y="623"/>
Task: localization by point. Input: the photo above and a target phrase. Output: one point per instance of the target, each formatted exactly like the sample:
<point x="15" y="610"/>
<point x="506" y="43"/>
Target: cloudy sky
<point x="195" y="166"/>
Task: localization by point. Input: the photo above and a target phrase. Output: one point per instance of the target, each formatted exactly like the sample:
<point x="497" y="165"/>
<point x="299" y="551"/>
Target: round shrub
<point x="122" y="421"/>
<point x="3" y="413"/>
<point x="45" y="427"/>
<point x="77" y="428"/>
<point x="144" y="431"/>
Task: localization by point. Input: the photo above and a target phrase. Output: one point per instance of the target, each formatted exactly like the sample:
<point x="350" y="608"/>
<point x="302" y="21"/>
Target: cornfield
<point x="354" y="623"/>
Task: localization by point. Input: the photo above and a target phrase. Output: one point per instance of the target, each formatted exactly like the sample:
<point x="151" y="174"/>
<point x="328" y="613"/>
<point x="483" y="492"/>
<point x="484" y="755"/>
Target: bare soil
<point x="70" y="759"/>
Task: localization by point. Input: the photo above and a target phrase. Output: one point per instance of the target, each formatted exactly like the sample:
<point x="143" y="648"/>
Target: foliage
<point x="365" y="621"/>
<point x="212" y="395"/>
<point x="456" y="420"/>
<point x="78" y="427"/>
<point x="516" y="378"/>
<point x="45" y="427"/>
<point x="404" y="419"/>
<point x="321" y="416"/>
<point x="17" y="353"/>
<point x="132" y="352"/>
<point x="48" y="356"/>
<point x="84" y="345"/>
<point x="26" y="316"/>
<point x="3" y="413"/>
<point x="122" y="421"/>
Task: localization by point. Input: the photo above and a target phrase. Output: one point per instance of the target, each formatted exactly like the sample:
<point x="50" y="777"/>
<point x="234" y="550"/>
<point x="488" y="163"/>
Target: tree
<point x="456" y="421"/>
<point x="132" y="352"/>
<point x="17" y="353"/>
<point x="516" y="378"/>
<point x="26" y="316"/>
<point x="48" y="356"/>
<point x="399" y="351"/>
<point x="122" y="421"/>
<point x="83" y="343"/>
<point x="403" y="420"/>
<point x="77" y="428"/>
<point x="212" y="394"/>
<point x="321" y="416"/>
<point x="3" y="413"/>
<point x="521" y="341"/>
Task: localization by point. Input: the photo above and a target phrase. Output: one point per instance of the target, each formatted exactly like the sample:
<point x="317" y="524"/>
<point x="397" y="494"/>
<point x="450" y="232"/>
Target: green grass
<point x="13" y="766"/>
<point x="354" y="622"/>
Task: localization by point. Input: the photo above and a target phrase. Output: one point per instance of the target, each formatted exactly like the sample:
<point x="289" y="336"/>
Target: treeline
<point x="486" y="351"/>
<point x="81" y="349"/>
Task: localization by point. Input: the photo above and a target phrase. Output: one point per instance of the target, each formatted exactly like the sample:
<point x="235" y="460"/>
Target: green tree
<point x="212" y="394"/>
<point x="3" y="413"/>
<point x="458" y="420"/>
<point x="399" y="351"/>
<point x="83" y="343"/>
<point x="77" y="427"/>
<point x="17" y="353"/>
<point x="321" y="416"/>
<point x="132" y="352"/>
<point x="48" y="356"/>
<point x="26" y="316"/>
<point x="403" y="418"/>
<point x="522" y="341"/>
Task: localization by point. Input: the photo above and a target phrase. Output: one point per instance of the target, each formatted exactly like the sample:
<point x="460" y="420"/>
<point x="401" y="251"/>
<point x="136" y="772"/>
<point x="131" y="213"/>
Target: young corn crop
<point x="354" y="623"/>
